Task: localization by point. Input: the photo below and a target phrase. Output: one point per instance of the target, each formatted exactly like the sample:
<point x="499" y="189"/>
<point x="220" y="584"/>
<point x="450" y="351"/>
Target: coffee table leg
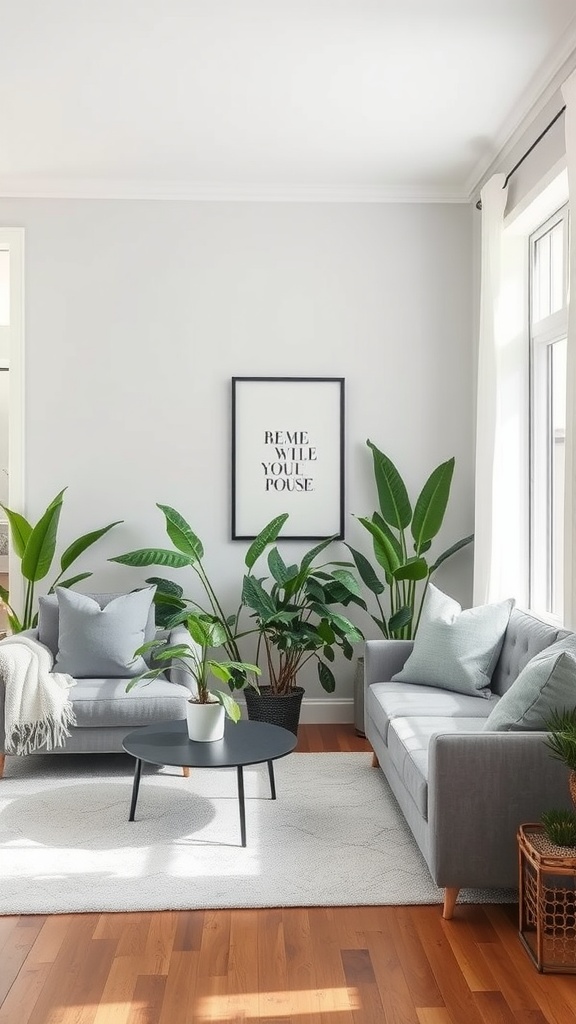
<point x="135" y="788"/>
<point x="242" y="809"/>
<point x="272" y="782"/>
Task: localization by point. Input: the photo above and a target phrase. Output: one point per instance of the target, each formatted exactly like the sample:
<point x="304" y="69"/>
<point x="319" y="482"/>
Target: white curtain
<point x="486" y="523"/>
<point x="569" y="94"/>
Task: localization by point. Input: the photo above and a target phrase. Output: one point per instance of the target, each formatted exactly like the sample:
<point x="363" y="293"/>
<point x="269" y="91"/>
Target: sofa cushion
<point x="99" y="642"/>
<point x="387" y="701"/>
<point x="454" y="649"/>
<point x="408" y="743"/>
<point x="546" y="684"/>
<point x="525" y="637"/>
<point x="49" y="619"/>
<point x="104" y="702"/>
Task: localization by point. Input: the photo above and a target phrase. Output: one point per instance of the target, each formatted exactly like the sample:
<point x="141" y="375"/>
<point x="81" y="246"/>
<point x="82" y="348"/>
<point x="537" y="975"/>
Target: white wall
<point x="139" y="313"/>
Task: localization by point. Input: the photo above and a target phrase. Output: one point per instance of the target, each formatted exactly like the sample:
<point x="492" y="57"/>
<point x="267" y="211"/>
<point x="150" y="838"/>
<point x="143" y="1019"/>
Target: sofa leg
<point x="450" y="897"/>
<point x="375" y="761"/>
<point x="2" y="762"/>
<point x="186" y="773"/>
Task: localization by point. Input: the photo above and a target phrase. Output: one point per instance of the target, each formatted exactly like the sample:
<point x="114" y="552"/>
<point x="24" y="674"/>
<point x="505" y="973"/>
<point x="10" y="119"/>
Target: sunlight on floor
<point x="278" y="1003"/>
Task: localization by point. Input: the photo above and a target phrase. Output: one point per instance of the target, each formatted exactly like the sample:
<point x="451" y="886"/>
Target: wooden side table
<point x="547" y="901"/>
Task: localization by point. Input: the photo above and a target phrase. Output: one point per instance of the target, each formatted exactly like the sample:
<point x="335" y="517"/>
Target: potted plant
<point x="206" y="711"/>
<point x="35" y="547"/>
<point x="293" y="611"/>
<point x="401" y="538"/>
<point x="560" y="825"/>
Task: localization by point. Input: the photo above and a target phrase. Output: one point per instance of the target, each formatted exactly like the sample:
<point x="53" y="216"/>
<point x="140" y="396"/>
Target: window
<point x="548" y="329"/>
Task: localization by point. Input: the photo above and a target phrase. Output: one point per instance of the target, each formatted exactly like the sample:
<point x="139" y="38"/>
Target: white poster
<point x="288" y="455"/>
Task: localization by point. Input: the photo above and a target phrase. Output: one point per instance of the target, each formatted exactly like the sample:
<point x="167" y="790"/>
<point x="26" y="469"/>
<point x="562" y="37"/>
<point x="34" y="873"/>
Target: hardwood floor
<point x="344" y="965"/>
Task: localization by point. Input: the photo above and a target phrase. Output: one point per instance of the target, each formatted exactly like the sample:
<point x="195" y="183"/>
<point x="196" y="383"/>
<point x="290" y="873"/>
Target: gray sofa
<point x="462" y="791"/>
<point x="104" y="711"/>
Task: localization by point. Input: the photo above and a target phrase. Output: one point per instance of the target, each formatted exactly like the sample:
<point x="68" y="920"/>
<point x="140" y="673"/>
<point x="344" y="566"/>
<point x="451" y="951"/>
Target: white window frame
<point x="544" y="334"/>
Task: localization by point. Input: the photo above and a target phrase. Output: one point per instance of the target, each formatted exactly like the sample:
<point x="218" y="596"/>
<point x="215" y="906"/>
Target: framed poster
<point x="288" y="455"/>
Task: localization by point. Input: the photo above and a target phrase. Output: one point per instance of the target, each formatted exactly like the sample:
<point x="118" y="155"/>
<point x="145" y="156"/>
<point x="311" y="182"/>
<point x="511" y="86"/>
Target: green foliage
<point x="562" y="736"/>
<point x="560" y="827"/>
<point x="35" y="547"/>
<point x="207" y="632"/>
<point x="392" y="528"/>
<point x="294" y="616"/>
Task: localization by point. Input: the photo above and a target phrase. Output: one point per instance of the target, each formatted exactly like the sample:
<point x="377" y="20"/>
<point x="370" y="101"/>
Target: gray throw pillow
<point x="454" y="649"/>
<point x="49" y="619"/>
<point x="99" y="642"/>
<point x="547" y="683"/>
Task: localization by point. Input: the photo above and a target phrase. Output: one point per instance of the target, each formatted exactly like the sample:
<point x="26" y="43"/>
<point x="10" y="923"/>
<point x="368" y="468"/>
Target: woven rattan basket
<point x="547" y="882"/>
<point x="276" y="709"/>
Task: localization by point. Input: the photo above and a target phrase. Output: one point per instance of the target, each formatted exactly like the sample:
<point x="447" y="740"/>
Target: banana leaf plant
<point x="35" y="547"/>
<point x="188" y="552"/>
<point x="401" y="538"/>
<point x="207" y="632"/>
<point x="295" y="617"/>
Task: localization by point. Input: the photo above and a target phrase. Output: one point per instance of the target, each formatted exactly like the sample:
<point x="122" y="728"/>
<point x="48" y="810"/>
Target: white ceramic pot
<point x="205" y="721"/>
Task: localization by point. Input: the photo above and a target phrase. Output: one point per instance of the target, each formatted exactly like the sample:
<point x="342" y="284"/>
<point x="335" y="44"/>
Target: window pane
<point x="542" y="277"/>
<point x="557" y="447"/>
<point x="557" y="268"/>
<point x="4" y="288"/>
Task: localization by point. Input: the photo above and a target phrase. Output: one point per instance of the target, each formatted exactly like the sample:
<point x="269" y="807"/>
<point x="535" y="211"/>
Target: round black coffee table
<point x="244" y="743"/>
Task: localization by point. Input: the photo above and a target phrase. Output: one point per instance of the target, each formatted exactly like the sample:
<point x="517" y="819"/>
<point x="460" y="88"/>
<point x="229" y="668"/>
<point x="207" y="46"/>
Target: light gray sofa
<point x="462" y="791"/>
<point x="105" y="712"/>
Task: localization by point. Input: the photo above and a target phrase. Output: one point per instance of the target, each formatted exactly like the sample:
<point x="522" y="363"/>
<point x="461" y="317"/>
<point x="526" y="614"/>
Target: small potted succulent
<point x="205" y="712"/>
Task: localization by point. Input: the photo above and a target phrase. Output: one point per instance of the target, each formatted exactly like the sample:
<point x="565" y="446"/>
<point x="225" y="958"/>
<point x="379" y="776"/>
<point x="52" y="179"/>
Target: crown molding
<point x="191" y="191"/>
<point x="555" y="70"/>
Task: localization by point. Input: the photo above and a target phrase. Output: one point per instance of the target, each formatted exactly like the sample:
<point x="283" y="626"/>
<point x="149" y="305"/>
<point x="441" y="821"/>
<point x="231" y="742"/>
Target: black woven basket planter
<point x="267" y="706"/>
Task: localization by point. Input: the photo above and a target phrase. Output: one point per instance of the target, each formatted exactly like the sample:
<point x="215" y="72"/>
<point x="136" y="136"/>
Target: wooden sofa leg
<point x="2" y="762"/>
<point x="375" y="761"/>
<point x="450" y="897"/>
<point x="186" y="773"/>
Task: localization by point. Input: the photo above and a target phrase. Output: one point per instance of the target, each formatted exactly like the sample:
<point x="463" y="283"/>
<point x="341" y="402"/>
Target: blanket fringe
<point x="51" y="732"/>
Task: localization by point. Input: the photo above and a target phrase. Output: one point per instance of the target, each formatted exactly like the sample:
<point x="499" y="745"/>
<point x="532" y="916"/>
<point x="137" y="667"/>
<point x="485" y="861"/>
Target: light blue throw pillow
<point x="547" y="683"/>
<point x="454" y="649"/>
<point x="96" y="642"/>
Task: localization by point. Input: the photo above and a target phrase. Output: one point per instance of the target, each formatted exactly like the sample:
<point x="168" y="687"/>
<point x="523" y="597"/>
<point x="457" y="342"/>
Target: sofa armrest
<point x="481" y="787"/>
<point x="383" y="658"/>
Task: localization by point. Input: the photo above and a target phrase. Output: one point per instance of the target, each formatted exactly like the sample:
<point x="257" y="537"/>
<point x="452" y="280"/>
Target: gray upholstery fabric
<point x="547" y="683"/>
<point x="405" y="700"/>
<point x="454" y="649"/>
<point x="49" y="621"/>
<point x="525" y="637"/>
<point x="100" y="642"/>
<point x="475" y="787"/>
<point x="103" y="703"/>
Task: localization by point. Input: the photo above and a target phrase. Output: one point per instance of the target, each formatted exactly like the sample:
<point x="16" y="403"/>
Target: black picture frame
<point x="288" y="456"/>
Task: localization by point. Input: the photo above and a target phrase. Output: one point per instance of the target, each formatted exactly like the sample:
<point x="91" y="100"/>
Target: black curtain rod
<point x="528" y="151"/>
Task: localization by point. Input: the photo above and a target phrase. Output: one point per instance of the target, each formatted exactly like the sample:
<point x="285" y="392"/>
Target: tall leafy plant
<point x="402" y="536"/>
<point x="188" y="552"/>
<point x="35" y="547"/>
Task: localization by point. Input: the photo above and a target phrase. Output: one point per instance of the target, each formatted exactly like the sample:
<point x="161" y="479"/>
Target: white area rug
<point x="334" y="836"/>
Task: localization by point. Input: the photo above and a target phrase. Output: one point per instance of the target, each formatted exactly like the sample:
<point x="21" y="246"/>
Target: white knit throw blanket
<point x="37" y="707"/>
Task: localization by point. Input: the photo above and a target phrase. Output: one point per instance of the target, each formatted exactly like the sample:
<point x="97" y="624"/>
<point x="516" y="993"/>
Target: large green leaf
<point x="326" y="677"/>
<point x="401" y="618"/>
<point x="348" y="580"/>
<point x="413" y="569"/>
<point x="265" y="537"/>
<point x="394" y="540"/>
<point x="20" y="530"/>
<point x="79" y="546"/>
<point x="451" y="551"/>
<point x="199" y="630"/>
<point x="41" y="545"/>
<point x="366" y="572"/>
<point x="165" y="588"/>
<point x="278" y="567"/>
<point x="73" y="580"/>
<point x="431" y="505"/>
<point x="256" y="598"/>
<point x="342" y="624"/>
<point x="384" y="551"/>
<point x="181" y="534"/>
<point x="392" y="494"/>
<point x="231" y="707"/>
<point x="315" y="551"/>
<point x="154" y="556"/>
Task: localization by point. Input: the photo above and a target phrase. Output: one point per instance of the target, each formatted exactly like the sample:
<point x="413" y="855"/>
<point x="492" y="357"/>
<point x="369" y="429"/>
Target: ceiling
<point x="262" y="98"/>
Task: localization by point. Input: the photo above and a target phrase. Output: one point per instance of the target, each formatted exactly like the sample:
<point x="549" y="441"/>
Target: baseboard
<point x="323" y="710"/>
